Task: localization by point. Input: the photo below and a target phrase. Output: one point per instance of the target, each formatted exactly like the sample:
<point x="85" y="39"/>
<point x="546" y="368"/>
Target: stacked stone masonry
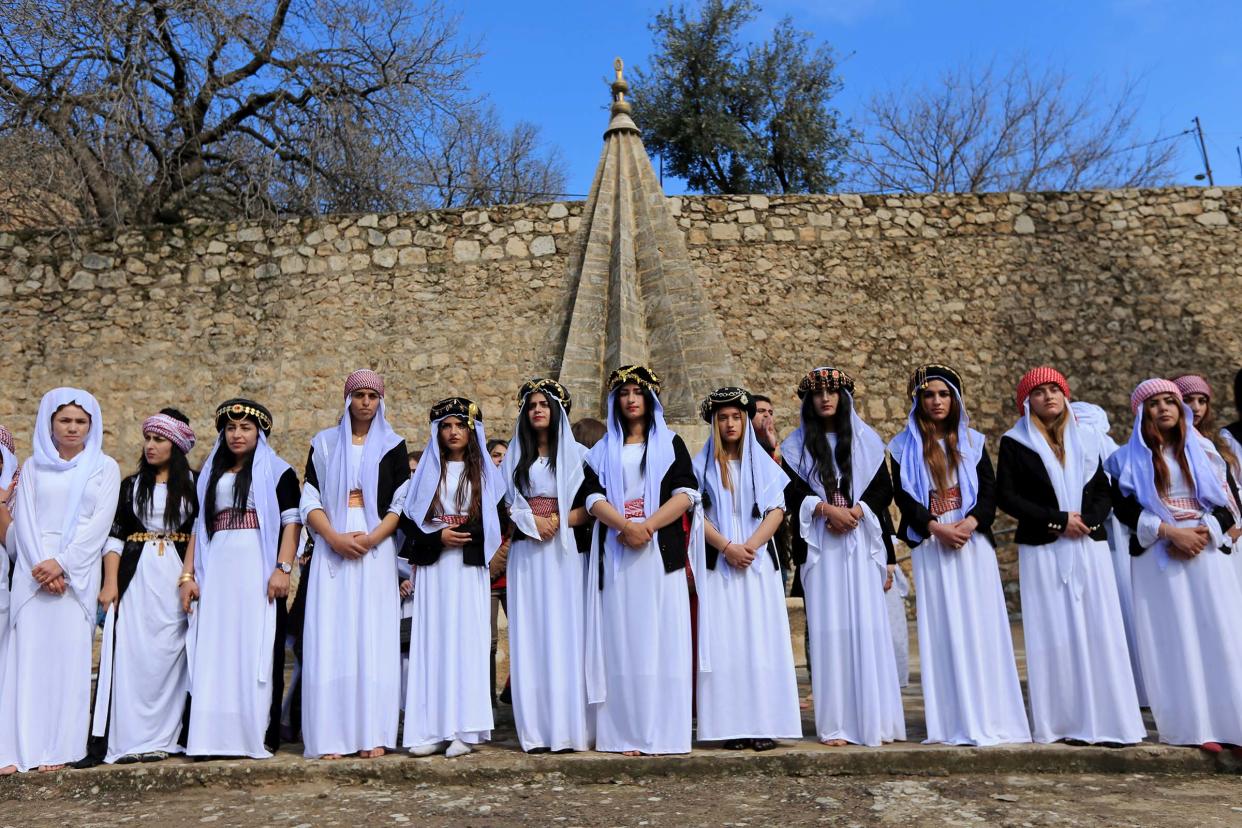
<point x="1109" y="286"/>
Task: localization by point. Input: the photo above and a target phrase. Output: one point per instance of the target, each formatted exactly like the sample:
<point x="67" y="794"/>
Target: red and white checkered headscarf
<point x="6" y="439"/>
<point x="171" y="429"/>
<point x="1036" y="377"/>
<point x="1193" y="384"/>
<point x="364" y="378"/>
<point x="1149" y="388"/>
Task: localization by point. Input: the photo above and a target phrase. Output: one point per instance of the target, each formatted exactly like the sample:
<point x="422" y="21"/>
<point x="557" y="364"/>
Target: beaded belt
<point x="355" y="498"/>
<point x="1184" y="508"/>
<point x="235" y="519"/>
<point x="160" y="537"/>
<point x="838" y="499"/>
<point x="946" y="501"/>
<point x="544" y="506"/>
<point x="452" y="520"/>
<point x="634" y="508"/>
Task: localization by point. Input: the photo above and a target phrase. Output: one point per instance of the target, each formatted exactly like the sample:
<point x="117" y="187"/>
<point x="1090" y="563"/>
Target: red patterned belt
<point x="452" y="520"/>
<point x="235" y="519"/>
<point x="838" y="499"/>
<point x="544" y="506"/>
<point x="634" y="508"/>
<point x="1184" y="508"/>
<point x="947" y="501"/>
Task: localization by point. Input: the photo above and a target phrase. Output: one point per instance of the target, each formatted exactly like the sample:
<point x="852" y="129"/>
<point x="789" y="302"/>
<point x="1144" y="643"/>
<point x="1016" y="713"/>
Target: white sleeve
<point x="1148" y="529"/>
<point x="398" y="498"/>
<point x="310" y="502"/>
<point x="592" y="499"/>
<point x="806" y="514"/>
<point x="114" y="546"/>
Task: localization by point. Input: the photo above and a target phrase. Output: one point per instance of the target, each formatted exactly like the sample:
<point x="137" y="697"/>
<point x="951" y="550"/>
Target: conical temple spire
<point x="635" y="296"/>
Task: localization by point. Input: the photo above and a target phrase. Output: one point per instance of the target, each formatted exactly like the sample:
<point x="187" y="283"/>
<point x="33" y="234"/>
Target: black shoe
<point x="539" y="750"/>
<point x="87" y="762"/>
<point x="762" y="744"/>
<point x="1076" y="742"/>
<point x="506" y="695"/>
<point x="736" y="744"/>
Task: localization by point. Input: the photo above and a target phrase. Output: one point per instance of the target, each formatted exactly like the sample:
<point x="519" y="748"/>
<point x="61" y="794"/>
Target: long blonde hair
<point x="721" y="454"/>
<point x="1055" y="433"/>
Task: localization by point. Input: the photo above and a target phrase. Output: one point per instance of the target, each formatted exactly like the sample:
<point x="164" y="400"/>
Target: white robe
<point x="231" y="639"/>
<point x="854" y="683"/>
<point x="971" y="692"/>
<point x="149" y="675"/>
<point x="646" y="643"/>
<point x="751" y="690"/>
<point x="546" y="635"/>
<point x="1185" y="618"/>
<point x="45" y="683"/>
<point x="351" y="651"/>
<point x="895" y="601"/>
<point x="450" y="646"/>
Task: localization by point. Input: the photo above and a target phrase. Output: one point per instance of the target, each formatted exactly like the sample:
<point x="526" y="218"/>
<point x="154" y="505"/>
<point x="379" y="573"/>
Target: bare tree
<point x="469" y="157"/>
<point x="137" y="111"/>
<point x="1021" y="130"/>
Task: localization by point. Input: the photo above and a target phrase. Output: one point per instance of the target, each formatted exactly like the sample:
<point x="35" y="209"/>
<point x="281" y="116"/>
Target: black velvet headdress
<point x="640" y="375"/>
<point x="722" y="397"/>
<point x="546" y="386"/>
<point x="825" y="379"/>
<point x="932" y="371"/>
<point x="456" y="407"/>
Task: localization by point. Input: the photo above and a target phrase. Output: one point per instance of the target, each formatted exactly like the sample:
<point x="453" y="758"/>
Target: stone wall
<point x="1109" y="286"/>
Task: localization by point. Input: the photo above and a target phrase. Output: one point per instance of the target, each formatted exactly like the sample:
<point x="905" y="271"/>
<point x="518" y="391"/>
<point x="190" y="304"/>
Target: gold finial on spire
<point x="619" y="87"/>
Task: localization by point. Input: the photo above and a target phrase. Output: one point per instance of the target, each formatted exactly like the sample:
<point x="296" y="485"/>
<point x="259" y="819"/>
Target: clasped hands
<point x="954" y="535"/>
<point x="351" y="545"/>
<point x="50" y="577"/>
<point x="1075" y="527"/>
<point x="1186" y="543"/>
<point x="840" y="520"/>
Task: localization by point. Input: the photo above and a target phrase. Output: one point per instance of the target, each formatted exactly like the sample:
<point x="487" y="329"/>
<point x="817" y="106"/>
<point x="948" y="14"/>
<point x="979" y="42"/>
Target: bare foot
<point x="835" y="742"/>
<point x="632" y="753"/>
<point x="374" y="753"/>
<point x="50" y="768"/>
<point x="8" y="770"/>
<point x="329" y="757"/>
<point x="805" y="704"/>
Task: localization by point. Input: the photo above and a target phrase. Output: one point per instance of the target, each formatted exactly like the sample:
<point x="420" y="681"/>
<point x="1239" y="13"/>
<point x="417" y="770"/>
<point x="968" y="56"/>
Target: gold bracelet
<point x="185" y="578"/>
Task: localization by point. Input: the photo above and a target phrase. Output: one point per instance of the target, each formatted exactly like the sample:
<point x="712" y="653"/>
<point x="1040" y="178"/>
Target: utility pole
<point x="1238" y="150"/>
<point x="1207" y="166"/>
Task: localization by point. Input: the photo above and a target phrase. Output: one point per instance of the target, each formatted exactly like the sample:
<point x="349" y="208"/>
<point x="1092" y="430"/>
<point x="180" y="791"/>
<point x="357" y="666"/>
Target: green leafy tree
<point x="731" y="117"/>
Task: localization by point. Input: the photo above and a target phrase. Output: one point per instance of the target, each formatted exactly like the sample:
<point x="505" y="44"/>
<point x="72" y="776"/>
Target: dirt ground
<point x="1069" y="800"/>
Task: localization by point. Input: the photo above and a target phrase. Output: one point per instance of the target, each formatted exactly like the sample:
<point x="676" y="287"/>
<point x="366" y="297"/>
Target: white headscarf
<point x="760" y="484"/>
<point x="1132" y="467"/>
<point x="916" y="481"/>
<point x="569" y="475"/>
<point x="1082" y="458"/>
<point x="46" y="460"/>
<point x="426" y="482"/>
<point x="866" y="455"/>
<point x="10" y="466"/>
<point x="332" y="447"/>
<point x="605" y="458"/>
<point x="1095" y="427"/>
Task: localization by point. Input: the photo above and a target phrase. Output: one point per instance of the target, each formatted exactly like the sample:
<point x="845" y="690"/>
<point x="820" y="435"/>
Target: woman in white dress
<point x="8" y="491"/>
<point x="842" y="490"/>
<point x="140" y="697"/>
<point x="945" y="490"/>
<point x="351" y="644"/>
<point x="1198" y="396"/>
<point x="55" y="533"/>
<point x="1166" y="488"/>
<point x="639" y="660"/>
<point x="746" y="691"/>
<point x="1093" y="418"/>
<point x="234" y="583"/>
<point x="546" y="486"/>
<point x="452" y="525"/>
<point x="1049" y="477"/>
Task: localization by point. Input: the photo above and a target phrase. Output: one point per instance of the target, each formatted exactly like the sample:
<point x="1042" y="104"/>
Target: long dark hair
<point x="223" y="461"/>
<point x="182" y="503"/>
<point x="940" y="461"/>
<point x="834" y="468"/>
<point x="528" y="441"/>
<point x="473" y="476"/>
<point x="1156" y="442"/>
<point x="648" y="419"/>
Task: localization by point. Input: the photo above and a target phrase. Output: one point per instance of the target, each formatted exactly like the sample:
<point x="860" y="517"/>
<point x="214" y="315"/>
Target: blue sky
<point x="546" y="61"/>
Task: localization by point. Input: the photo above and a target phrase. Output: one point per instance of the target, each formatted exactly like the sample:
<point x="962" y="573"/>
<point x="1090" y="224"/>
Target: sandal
<point x="736" y="744"/>
<point x="760" y="745"/>
<point x="155" y="756"/>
